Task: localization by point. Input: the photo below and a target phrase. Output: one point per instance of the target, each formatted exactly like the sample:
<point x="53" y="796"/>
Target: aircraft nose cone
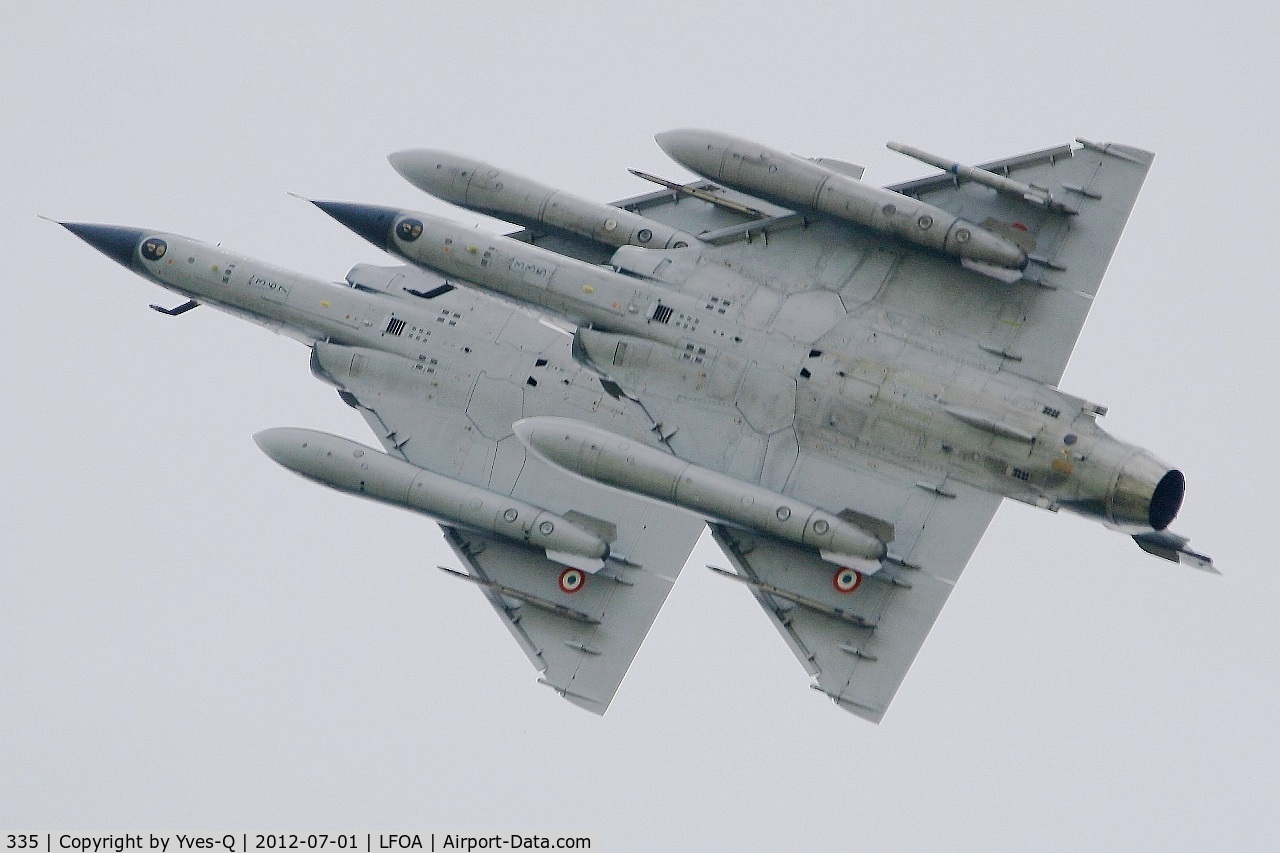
<point x="690" y="137"/>
<point x="700" y="151"/>
<point x="370" y="221"/>
<point x="116" y="242"/>
<point x="416" y="165"/>
<point x="293" y="447"/>
<point x="555" y="440"/>
<point x="672" y="142"/>
<point x="437" y="173"/>
<point x="277" y="443"/>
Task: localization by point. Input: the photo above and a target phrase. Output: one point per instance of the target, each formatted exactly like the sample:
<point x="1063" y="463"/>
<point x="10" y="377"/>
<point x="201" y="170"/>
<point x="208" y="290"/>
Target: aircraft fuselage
<point x="882" y="393"/>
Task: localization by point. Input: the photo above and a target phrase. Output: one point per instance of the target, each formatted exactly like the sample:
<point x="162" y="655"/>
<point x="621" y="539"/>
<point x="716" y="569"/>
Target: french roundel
<point x="571" y="580"/>
<point x="846" y="580"/>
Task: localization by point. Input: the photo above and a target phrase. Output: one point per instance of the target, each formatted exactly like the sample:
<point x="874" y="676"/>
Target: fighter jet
<point x="843" y="381"/>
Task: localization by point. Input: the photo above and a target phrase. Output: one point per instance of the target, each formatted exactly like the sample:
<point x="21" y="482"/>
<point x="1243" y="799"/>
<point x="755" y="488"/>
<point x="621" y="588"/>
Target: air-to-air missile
<point x="1001" y="184"/>
<point x="808" y="185"/>
<point x="604" y="457"/>
<point x="487" y="189"/>
<point x="349" y="466"/>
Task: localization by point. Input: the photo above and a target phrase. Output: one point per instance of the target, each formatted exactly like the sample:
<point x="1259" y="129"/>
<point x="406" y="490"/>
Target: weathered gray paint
<point x="834" y="363"/>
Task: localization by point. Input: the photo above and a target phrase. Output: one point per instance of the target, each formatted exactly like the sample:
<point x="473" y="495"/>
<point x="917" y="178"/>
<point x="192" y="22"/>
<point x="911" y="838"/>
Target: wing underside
<point x="580" y="629"/>
<point x="1032" y="325"/>
<point x="1028" y="327"/>
<point x="581" y="641"/>
<point x="855" y="633"/>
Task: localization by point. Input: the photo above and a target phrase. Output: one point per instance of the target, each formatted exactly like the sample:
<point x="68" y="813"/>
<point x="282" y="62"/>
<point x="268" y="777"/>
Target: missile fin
<point x="606" y="530"/>
<point x="877" y="527"/>
<point x="1008" y="276"/>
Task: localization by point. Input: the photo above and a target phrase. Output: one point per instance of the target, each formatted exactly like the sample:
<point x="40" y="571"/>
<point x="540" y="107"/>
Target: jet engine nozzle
<point x="1146" y="493"/>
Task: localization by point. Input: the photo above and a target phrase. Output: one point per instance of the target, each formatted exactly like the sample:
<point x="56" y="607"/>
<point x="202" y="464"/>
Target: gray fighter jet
<point x="843" y="381"/>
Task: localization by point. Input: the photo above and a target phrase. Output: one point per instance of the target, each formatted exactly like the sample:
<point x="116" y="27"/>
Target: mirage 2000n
<point x="843" y="381"/>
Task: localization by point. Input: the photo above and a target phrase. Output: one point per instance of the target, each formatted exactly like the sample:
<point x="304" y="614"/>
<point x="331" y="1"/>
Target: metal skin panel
<point x="887" y="372"/>
<point x="808" y="316"/>
<point x="767" y="399"/>
<point x="495" y="404"/>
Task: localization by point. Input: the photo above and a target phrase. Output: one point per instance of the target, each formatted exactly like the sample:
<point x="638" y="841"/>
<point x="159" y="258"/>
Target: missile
<point x="809" y="185"/>
<point x="999" y="183"/>
<point x="605" y="457"/>
<point x="701" y="195"/>
<point x="584" y="293"/>
<point x="487" y="189"/>
<point x="351" y="467"/>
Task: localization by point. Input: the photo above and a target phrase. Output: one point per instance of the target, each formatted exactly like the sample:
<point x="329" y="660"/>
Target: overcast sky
<point x="193" y="639"/>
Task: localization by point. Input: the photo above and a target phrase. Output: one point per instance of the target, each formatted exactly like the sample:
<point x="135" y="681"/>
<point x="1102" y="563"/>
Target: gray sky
<point x="192" y="638"/>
